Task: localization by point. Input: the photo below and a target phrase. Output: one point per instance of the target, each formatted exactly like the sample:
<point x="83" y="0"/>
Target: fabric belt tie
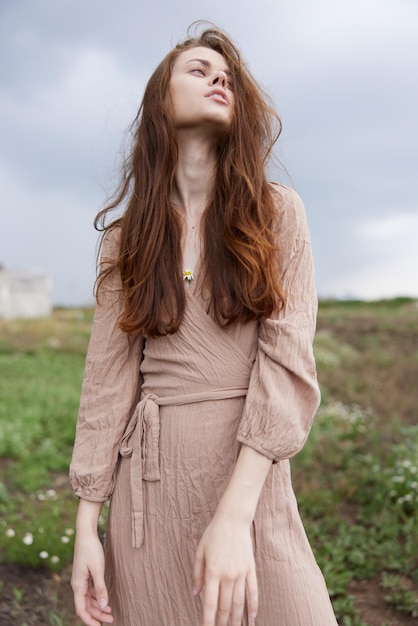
<point x="141" y="440"/>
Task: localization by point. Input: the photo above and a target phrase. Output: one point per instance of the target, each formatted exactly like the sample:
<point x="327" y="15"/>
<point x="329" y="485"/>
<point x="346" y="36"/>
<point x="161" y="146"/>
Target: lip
<point x="219" y="95"/>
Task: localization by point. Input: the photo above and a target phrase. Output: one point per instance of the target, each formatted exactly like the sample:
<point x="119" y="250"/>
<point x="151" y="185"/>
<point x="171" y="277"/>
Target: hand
<point x="225" y="569"/>
<point x="87" y="581"/>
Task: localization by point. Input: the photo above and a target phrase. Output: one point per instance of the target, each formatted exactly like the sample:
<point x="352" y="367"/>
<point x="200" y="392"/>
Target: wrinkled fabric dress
<point x="160" y="426"/>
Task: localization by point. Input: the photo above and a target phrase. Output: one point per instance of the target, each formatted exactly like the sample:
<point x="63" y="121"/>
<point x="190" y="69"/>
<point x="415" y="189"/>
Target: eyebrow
<point x="207" y="63"/>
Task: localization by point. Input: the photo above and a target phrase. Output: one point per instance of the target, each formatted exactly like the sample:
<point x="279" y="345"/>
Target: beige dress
<point x="160" y="425"/>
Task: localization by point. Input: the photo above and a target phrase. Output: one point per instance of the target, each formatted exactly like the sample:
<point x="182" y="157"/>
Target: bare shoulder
<point x="291" y="216"/>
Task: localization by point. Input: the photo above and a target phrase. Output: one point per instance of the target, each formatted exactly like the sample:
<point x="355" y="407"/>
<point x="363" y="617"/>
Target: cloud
<point x="62" y="125"/>
<point x="342" y="75"/>
<point x="393" y="260"/>
<point x="375" y="281"/>
<point x="390" y="228"/>
<point x="48" y="229"/>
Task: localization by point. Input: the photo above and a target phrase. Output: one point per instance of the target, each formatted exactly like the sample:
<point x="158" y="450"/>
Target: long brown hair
<point x="240" y="261"/>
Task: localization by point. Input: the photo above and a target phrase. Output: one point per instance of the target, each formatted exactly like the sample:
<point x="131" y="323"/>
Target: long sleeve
<point x="109" y="391"/>
<point x="283" y="394"/>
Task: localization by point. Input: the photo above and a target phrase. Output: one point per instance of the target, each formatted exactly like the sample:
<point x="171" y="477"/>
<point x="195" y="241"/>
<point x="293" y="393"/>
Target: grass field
<point x="356" y="479"/>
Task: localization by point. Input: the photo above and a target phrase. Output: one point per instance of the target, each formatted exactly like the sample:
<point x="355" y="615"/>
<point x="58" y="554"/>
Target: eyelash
<point x="202" y="70"/>
<point x="198" y="69"/>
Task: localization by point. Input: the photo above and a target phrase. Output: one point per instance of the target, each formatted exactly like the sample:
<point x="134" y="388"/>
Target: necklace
<point x="188" y="275"/>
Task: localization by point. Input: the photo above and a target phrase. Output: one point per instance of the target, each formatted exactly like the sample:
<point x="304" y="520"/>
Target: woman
<point x="200" y="381"/>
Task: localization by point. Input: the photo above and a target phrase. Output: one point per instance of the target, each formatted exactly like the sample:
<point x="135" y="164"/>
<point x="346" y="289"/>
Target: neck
<point x="195" y="173"/>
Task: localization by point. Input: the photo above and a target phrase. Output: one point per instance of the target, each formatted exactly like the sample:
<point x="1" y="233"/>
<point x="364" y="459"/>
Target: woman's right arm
<point x="87" y="581"/>
<point x="109" y="394"/>
<point x="110" y="388"/>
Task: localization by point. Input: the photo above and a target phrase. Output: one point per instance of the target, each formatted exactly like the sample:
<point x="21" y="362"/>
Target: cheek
<point x="179" y="99"/>
<point x="234" y="112"/>
<point x="174" y="102"/>
<point x="232" y="109"/>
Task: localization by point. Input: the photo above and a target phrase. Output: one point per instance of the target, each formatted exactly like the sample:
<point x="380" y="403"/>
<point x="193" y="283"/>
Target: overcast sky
<point x="343" y="76"/>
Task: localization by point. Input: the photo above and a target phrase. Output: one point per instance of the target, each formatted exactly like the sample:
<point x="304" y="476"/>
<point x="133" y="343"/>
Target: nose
<point x="220" y="78"/>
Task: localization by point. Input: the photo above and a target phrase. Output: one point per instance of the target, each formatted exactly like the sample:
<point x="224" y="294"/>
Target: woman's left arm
<point x="282" y="399"/>
<point x="283" y="393"/>
<point x="225" y="563"/>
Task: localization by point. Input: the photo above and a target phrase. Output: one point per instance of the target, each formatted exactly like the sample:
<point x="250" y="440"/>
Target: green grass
<point x="41" y="366"/>
<point x="358" y="496"/>
<point x="356" y="479"/>
<point x="39" y="394"/>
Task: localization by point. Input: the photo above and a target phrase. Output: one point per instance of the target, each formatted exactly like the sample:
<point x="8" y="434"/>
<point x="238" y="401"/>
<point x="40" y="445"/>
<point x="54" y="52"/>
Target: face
<point x="201" y="90"/>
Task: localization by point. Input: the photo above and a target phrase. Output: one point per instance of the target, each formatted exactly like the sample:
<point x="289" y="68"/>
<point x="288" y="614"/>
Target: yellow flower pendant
<point x="188" y="275"/>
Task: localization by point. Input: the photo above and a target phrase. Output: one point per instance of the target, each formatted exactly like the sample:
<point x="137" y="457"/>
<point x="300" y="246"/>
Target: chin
<point x="220" y="125"/>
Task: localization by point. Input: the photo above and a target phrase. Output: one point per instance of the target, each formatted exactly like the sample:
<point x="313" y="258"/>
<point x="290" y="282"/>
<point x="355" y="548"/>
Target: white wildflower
<point x="10" y="532"/>
<point x="44" y="554"/>
<point x="65" y="539"/>
<point x="28" y="539"/>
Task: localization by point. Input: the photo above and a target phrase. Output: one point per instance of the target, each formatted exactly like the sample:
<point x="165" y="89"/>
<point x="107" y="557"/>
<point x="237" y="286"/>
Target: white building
<point x="24" y="294"/>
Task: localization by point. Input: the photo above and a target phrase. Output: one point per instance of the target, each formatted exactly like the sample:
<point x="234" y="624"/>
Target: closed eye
<point x="198" y="70"/>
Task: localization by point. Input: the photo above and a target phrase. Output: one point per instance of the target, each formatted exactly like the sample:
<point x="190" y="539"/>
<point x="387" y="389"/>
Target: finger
<point x="210" y="603"/>
<point x="238" y="603"/>
<point x="225" y="603"/>
<point x="252" y="594"/>
<point x="86" y="607"/>
<point x="81" y="590"/>
<point x="95" y="617"/>
<point x="198" y="572"/>
<point x="96" y="606"/>
<point x="102" y="616"/>
<point x="100" y="590"/>
<point x="85" y="616"/>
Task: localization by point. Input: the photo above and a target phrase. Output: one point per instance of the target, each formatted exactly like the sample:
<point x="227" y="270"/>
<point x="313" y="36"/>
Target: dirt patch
<point x="32" y="597"/>
<point x="369" y="602"/>
<point x="381" y="371"/>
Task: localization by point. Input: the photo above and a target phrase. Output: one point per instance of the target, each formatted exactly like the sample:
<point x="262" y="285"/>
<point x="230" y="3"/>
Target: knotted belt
<point x="141" y="442"/>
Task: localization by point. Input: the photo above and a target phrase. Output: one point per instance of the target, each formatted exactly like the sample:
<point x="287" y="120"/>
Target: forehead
<point x="215" y="59"/>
